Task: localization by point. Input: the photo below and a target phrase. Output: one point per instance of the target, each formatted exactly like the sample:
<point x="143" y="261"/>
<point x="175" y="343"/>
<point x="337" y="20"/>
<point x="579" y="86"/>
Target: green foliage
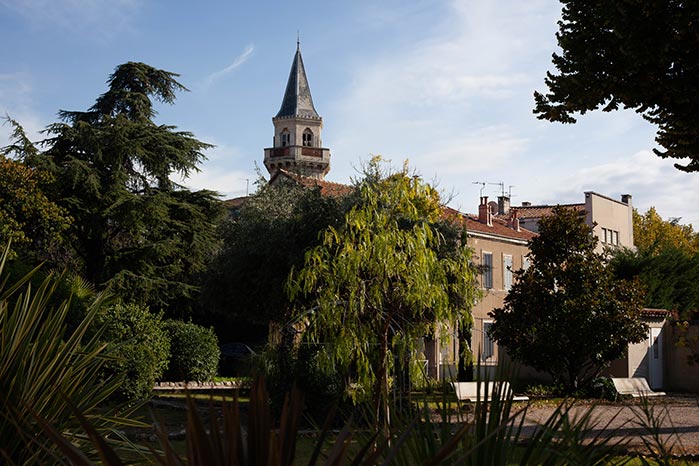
<point x="285" y="369"/>
<point x="567" y="315"/>
<point x="141" y="347"/>
<point x="377" y="282"/>
<point x="669" y="274"/>
<point x="666" y="262"/>
<point x="687" y="337"/>
<point x="261" y="242"/>
<point x="112" y="167"/>
<point x="636" y="54"/>
<point x="651" y="233"/>
<point x="35" y="225"/>
<point x="492" y="436"/>
<point x="47" y="371"/>
<point x="194" y="352"/>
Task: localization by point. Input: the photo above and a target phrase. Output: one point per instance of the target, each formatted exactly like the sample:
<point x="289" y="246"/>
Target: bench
<point x="634" y="386"/>
<point x="470" y="391"/>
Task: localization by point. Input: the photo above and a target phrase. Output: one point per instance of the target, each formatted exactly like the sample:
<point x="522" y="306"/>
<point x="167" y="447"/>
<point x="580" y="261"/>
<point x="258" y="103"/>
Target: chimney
<point x="503" y="205"/>
<point x="514" y="220"/>
<point x="526" y="204"/>
<point x="626" y="199"/>
<point x="484" y="213"/>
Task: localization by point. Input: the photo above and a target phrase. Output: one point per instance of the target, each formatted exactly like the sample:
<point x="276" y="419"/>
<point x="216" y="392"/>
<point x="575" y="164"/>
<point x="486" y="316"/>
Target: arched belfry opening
<point x="297" y="129"/>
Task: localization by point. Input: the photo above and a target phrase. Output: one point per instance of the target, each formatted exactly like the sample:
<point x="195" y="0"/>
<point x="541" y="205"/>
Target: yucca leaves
<point x="44" y="369"/>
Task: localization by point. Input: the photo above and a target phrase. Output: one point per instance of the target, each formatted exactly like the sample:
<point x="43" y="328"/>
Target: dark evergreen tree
<point x="567" y="315"/>
<point x="669" y="274"/>
<point x="637" y="54"/>
<point x="134" y="227"/>
<point x="264" y="238"/>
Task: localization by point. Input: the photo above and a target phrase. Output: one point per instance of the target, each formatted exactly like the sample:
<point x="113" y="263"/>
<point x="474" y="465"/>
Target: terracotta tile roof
<point x="538" y="211"/>
<point x="327" y="188"/>
<point x="235" y="202"/>
<point x="655" y="313"/>
<point x="499" y="227"/>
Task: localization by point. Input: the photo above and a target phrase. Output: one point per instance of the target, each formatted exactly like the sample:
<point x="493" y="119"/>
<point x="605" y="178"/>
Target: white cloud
<point x="17" y="103"/>
<point x="216" y="174"/>
<point x="100" y="18"/>
<point x="439" y="100"/>
<point x="479" y="152"/>
<point x="240" y="59"/>
<point x="651" y="181"/>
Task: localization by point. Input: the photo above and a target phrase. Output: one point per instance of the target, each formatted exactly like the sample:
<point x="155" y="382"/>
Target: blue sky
<point x="446" y="85"/>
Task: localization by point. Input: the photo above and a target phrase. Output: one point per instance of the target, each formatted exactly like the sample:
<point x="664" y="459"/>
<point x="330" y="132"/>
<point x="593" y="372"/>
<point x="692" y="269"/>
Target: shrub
<point x="141" y="344"/>
<point x="194" y="351"/>
<point x="601" y="388"/>
<point x="285" y="368"/>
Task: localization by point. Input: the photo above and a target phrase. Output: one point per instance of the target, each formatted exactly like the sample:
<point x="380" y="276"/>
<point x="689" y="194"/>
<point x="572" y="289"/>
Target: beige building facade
<point x="611" y="220"/>
<point x="499" y="249"/>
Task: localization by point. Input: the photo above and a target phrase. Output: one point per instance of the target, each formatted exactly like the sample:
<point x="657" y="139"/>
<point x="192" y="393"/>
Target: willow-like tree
<point x="567" y="315"/>
<point x="133" y="227"/>
<point x="378" y="282"/>
<point x="636" y="54"/>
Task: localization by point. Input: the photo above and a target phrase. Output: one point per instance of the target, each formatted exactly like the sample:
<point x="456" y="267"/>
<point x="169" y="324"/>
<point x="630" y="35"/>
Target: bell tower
<point x="297" y="144"/>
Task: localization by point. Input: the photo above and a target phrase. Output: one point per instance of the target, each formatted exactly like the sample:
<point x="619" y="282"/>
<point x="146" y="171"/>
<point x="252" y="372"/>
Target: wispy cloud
<point x="449" y="102"/>
<point x="16" y="102"/>
<point x="215" y="173"/>
<point x="651" y="180"/>
<point x="239" y="60"/>
<point x="102" y="18"/>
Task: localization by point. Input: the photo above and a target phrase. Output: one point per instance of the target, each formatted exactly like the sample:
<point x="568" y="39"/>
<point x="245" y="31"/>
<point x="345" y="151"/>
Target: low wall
<point x="193" y="386"/>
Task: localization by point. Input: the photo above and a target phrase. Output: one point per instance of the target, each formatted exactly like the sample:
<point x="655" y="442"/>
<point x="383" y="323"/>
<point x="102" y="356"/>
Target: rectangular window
<point x="525" y="263"/>
<point x="604" y="235"/>
<point x="615" y="238"/>
<point x="487" y="270"/>
<point x="488" y="343"/>
<point x="506" y="271"/>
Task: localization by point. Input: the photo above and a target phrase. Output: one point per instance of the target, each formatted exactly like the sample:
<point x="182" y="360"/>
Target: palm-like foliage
<point x="44" y="369"/>
<point x="493" y="435"/>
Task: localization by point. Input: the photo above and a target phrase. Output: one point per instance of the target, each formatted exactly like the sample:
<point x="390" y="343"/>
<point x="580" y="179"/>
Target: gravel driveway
<point x="677" y="421"/>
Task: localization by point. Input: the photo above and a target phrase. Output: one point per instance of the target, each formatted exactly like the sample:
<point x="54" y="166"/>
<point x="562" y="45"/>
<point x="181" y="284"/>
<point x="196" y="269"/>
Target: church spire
<point x="297" y="100"/>
<point x="297" y="127"/>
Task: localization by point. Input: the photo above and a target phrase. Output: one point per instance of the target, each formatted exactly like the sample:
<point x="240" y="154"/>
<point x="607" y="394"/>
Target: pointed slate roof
<point x="297" y="97"/>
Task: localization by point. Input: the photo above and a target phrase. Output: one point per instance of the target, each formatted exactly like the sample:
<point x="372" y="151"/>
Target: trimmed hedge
<point x="194" y="352"/>
<point x="141" y="345"/>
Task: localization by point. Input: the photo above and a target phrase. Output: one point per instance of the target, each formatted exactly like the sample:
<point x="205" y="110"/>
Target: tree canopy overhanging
<point x="635" y="54"/>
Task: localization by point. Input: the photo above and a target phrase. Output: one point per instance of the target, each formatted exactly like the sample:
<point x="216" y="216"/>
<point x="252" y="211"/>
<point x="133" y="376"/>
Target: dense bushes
<point x="194" y="351"/>
<point x="141" y="345"/>
<point x="285" y="368"/>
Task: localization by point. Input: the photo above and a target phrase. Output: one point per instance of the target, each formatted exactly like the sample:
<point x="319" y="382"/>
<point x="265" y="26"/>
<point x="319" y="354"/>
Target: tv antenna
<point x="482" y="183"/>
<point x="502" y="187"/>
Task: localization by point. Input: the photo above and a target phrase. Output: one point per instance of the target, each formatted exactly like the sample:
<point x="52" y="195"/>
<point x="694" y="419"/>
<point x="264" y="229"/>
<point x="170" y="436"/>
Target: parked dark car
<point x="237" y="359"/>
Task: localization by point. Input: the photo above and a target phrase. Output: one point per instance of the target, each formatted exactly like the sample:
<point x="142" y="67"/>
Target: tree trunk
<point x="381" y="389"/>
